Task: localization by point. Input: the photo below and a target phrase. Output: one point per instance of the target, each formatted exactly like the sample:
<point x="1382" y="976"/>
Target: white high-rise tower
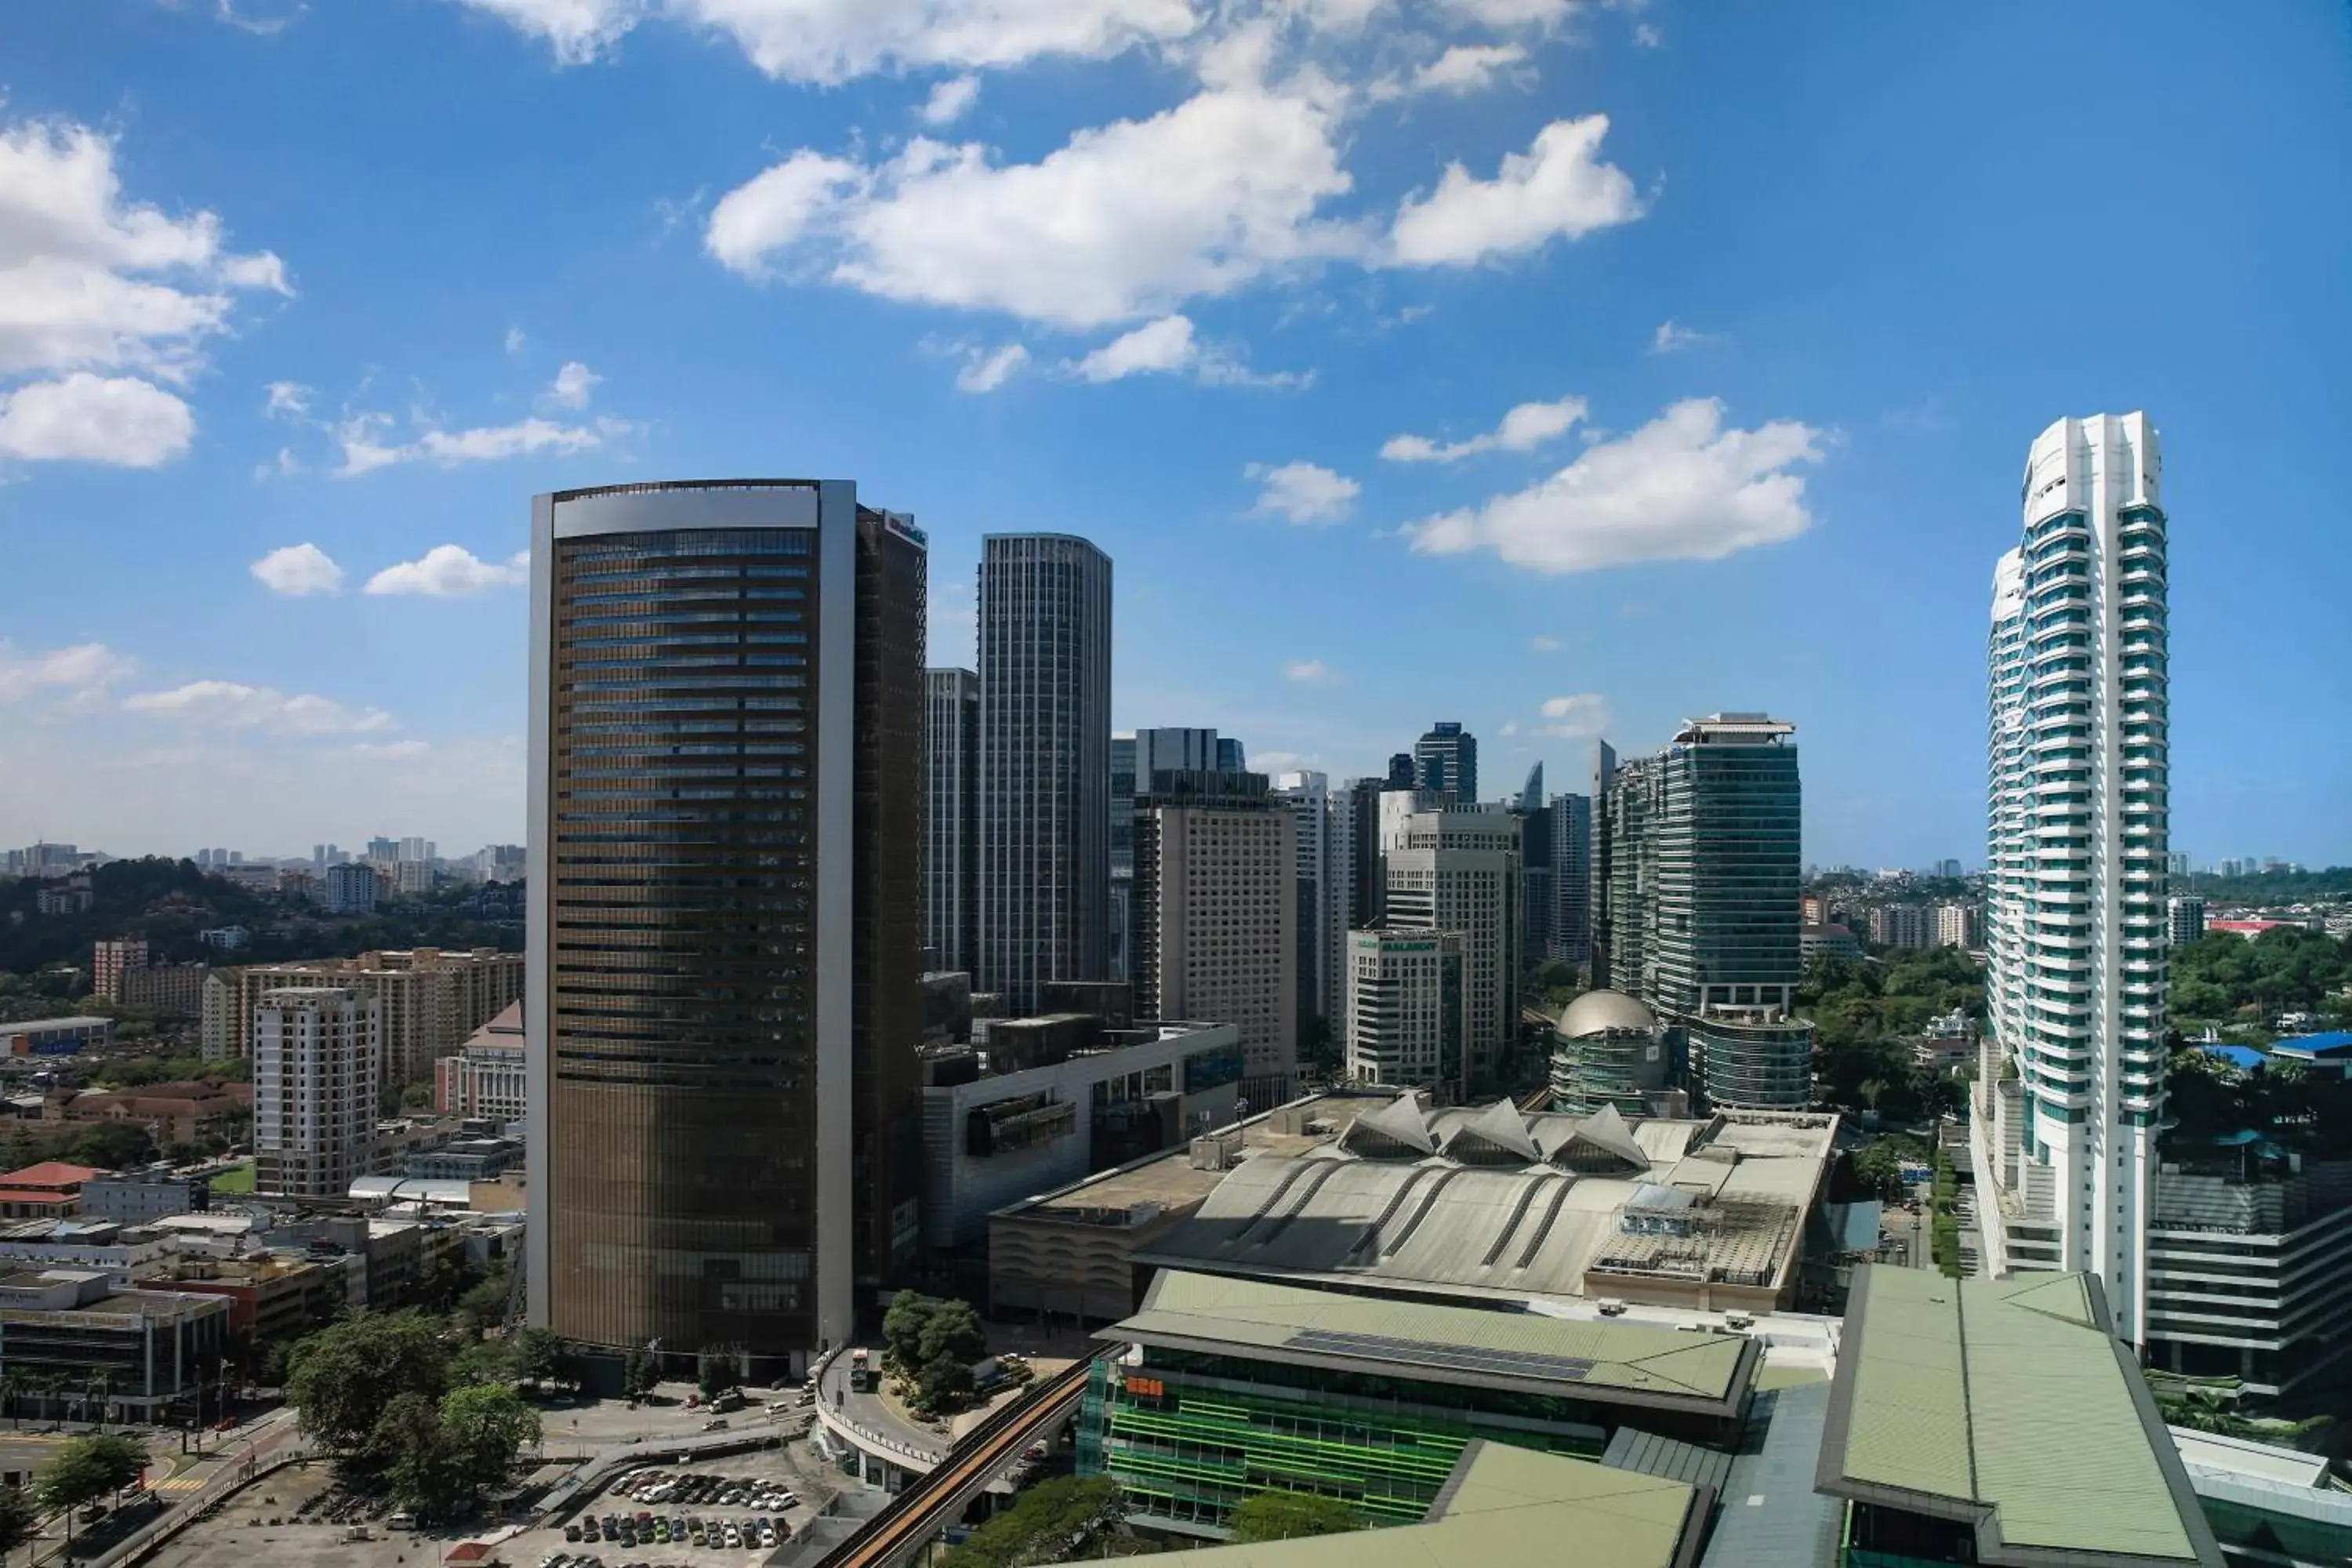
<point x="2075" y="903"/>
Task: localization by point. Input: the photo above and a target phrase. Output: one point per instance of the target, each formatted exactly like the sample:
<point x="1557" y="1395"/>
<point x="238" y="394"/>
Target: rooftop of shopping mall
<point x="1495" y="1202"/>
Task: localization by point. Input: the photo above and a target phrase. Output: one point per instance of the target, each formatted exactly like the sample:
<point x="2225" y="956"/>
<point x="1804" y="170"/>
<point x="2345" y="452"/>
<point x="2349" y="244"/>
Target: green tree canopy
<point x="1050" y="1523"/>
<point x="85" y="1469"/>
<point x="343" y="1378"/>
<point x="18" y="1521"/>
<point x="1286" y="1516"/>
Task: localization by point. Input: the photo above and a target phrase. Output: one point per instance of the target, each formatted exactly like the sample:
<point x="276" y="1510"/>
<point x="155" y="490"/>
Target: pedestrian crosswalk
<point x="179" y="1484"/>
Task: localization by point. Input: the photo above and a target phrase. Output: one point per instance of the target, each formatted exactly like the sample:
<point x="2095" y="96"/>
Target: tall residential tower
<point x="724" y="934"/>
<point x="2077" y="752"/>
<point x="1044" y="764"/>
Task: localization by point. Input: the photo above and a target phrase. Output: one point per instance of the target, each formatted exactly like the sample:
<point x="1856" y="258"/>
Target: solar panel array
<point x="1463" y="1358"/>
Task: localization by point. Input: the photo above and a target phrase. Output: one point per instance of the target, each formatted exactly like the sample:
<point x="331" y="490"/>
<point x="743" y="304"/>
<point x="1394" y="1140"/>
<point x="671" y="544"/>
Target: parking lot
<point x="707" y="1514"/>
<point x="291" y="1520"/>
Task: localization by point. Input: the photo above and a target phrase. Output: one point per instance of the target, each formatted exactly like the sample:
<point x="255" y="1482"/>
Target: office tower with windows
<point x="1357" y="811"/>
<point x="2184" y="918"/>
<point x="1458" y="871"/>
<point x="1697" y="857"/>
<point x="1401" y="770"/>
<point x="314" y="1090"/>
<point x="1404" y="1011"/>
<point x="1316" y="890"/>
<point x="1230" y="755"/>
<point x="726" y="926"/>
<point x="1122" y="856"/>
<point x="1446" y="761"/>
<point x="1044" y="764"/>
<point x="2075" y="918"/>
<point x="1539" y="875"/>
<point x="1571" y="879"/>
<point x="951" y="836"/>
<point x="1217" y="916"/>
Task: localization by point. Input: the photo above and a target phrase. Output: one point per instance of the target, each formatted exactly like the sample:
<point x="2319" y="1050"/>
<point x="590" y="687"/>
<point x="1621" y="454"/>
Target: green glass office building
<point x="1234" y="1387"/>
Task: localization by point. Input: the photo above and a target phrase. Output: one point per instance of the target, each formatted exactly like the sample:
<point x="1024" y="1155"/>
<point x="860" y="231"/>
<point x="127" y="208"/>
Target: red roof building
<point x="50" y="1190"/>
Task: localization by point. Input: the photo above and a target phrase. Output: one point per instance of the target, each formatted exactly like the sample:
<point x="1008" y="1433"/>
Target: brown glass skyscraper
<point x="726" y="745"/>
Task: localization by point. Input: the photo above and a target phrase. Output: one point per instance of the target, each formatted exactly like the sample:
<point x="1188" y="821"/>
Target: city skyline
<point x="302" y="615"/>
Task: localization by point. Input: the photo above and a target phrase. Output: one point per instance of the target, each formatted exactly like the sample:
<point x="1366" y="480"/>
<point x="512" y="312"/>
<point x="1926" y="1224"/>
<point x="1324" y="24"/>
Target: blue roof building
<point x="2330" y="1052"/>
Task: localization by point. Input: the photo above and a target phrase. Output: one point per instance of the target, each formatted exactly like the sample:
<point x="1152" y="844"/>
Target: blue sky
<point x="1555" y="366"/>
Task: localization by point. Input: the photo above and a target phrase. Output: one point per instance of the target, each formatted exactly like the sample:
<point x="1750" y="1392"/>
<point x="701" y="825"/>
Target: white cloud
<point x="86" y="418"/>
<point x="1558" y="187"/>
<point x="447" y="570"/>
<point x="1682" y="487"/>
<point x="295" y="570"/>
<point x="365" y="450"/>
<point x="1309" y="671"/>
<point x="1124" y="221"/>
<point x="78" y="674"/>
<point x="1171" y="346"/>
<point x="1539" y="643"/>
<point x="830" y="41"/>
<point x="1303" y="493"/>
<point x="285" y="463"/>
<point x="573" y="385"/>
<point x="987" y="372"/>
<point x="1511" y="12"/>
<point x="260" y="27"/>
<point x="1466" y="68"/>
<point x="1523" y="429"/>
<point x="286" y="400"/>
<point x="229" y="704"/>
<point x="1672" y="337"/>
<point x="950" y="100"/>
<point x="515" y="340"/>
<point x="772" y="211"/>
<point x="1646" y="36"/>
<point x="390" y="750"/>
<point x="1166" y="344"/>
<point x="1576" y="718"/>
<point x="90" y="283"/>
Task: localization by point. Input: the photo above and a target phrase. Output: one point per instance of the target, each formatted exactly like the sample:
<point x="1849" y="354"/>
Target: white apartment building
<point x="1959" y="925"/>
<point x="1215" y="918"/>
<point x="1406" y="1009"/>
<point x="2076" y="931"/>
<point x="315" y="1070"/>
<point x="1458" y="871"/>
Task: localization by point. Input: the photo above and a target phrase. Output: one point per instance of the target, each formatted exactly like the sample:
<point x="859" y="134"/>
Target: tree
<point x="537" y="1356"/>
<point x="640" y="1372"/>
<point x="110" y="1146"/>
<point x="902" y="1330"/>
<point x="717" y="1369"/>
<point x="416" y="1455"/>
<point x="85" y="1469"/>
<point x="1284" y="1516"/>
<point x="343" y="1379"/>
<point x="18" y="1521"/>
<point x="482" y="1306"/>
<point x="486" y="1428"/>
<point x="1050" y="1523"/>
